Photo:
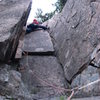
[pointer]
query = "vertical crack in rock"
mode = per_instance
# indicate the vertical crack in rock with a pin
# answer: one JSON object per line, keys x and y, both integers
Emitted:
{"x": 80, "y": 71}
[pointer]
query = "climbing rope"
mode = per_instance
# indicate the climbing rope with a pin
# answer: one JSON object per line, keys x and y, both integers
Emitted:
{"x": 61, "y": 89}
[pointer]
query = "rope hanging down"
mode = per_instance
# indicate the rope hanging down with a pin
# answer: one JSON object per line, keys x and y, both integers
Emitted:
{"x": 73, "y": 91}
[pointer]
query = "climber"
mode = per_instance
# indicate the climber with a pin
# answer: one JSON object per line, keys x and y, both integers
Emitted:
{"x": 34, "y": 25}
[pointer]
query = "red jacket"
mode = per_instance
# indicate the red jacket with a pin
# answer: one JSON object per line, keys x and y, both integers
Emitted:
{"x": 35, "y": 21}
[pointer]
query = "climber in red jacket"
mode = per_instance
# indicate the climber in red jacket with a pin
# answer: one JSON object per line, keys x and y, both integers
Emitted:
{"x": 34, "y": 25}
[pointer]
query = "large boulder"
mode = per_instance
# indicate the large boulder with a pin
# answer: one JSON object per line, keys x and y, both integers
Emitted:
{"x": 76, "y": 35}
{"x": 13, "y": 16}
{"x": 11, "y": 84}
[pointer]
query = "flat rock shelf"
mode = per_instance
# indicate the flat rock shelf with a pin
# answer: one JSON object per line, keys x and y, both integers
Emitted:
{"x": 38, "y": 42}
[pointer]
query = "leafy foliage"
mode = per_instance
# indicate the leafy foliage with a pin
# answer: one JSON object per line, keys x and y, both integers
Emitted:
{"x": 59, "y": 6}
{"x": 45, "y": 17}
{"x": 62, "y": 98}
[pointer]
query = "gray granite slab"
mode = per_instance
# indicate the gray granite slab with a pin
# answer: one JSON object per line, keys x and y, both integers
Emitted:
{"x": 76, "y": 35}
{"x": 41, "y": 74}
{"x": 38, "y": 42}
{"x": 13, "y": 16}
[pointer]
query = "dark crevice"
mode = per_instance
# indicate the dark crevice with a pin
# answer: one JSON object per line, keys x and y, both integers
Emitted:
{"x": 48, "y": 53}
{"x": 83, "y": 68}
{"x": 92, "y": 62}
{"x": 98, "y": 50}
{"x": 93, "y": 0}
{"x": 80, "y": 71}
{"x": 68, "y": 83}
{"x": 63, "y": 71}
{"x": 55, "y": 54}
{"x": 94, "y": 65}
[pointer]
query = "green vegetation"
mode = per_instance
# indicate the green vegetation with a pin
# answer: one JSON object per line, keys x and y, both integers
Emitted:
{"x": 62, "y": 98}
{"x": 45, "y": 17}
{"x": 59, "y": 6}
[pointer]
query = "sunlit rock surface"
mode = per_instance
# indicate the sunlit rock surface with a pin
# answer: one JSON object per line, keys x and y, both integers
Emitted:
{"x": 76, "y": 36}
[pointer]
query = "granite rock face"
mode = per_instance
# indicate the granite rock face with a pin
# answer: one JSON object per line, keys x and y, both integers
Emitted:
{"x": 76, "y": 35}
{"x": 38, "y": 42}
{"x": 43, "y": 76}
{"x": 89, "y": 75}
{"x": 11, "y": 84}
{"x": 13, "y": 16}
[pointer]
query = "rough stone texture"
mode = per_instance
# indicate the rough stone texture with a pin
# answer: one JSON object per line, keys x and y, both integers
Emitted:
{"x": 88, "y": 98}
{"x": 38, "y": 42}
{"x": 41, "y": 74}
{"x": 13, "y": 16}
{"x": 64, "y": 98}
{"x": 76, "y": 34}
{"x": 90, "y": 74}
{"x": 55, "y": 98}
{"x": 11, "y": 85}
